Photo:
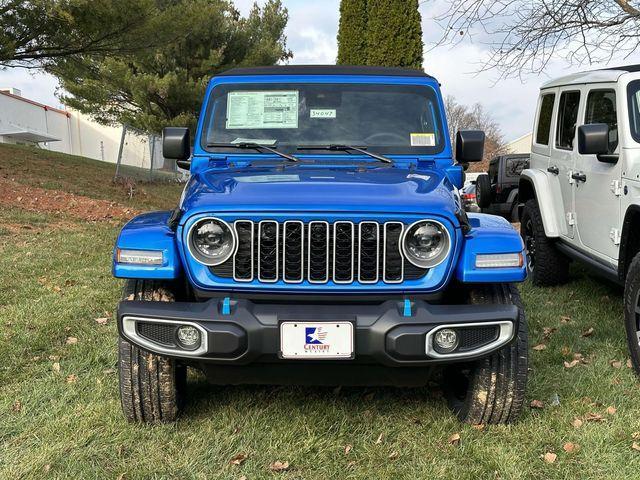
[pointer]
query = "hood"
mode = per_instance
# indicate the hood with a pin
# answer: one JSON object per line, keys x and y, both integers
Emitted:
{"x": 321, "y": 189}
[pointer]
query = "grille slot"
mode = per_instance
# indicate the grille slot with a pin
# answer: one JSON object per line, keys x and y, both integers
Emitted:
{"x": 157, "y": 332}
{"x": 318, "y": 252}
{"x": 476, "y": 337}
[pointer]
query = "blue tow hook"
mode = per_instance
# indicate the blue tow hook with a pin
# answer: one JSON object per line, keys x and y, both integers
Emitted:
{"x": 406, "y": 311}
{"x": 226, "y": 306}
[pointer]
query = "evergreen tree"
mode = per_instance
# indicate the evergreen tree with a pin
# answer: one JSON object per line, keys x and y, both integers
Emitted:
{"x": 394, "y": 33}
{"x": 352, "y": 33}
{"x": 164, "y": 85}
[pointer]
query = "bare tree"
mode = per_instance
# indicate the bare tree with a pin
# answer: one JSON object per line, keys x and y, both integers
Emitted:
{"x": 475, "y": 117}
{"x": 524, "y": 35}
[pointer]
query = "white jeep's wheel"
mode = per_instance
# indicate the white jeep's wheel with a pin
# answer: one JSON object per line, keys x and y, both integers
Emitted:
{"x": 152, "y": 387}
{"x": 491, "y": 390}
{"x": 545, "y": 264}
{"x": 632, "y": 311}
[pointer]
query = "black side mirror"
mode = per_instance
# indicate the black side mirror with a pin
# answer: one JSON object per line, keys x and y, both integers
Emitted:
{"x": 176, "y": 145}
{"x": 593, "y": 139}
{"x": 469, "y": 146}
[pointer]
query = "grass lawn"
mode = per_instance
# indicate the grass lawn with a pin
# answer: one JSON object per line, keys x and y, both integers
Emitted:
{"x": 60, "y": 415}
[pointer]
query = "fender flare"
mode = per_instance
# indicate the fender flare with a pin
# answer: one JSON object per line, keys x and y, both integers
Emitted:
{"x": 534, "y": 184}
{"x": 512, "y": 196}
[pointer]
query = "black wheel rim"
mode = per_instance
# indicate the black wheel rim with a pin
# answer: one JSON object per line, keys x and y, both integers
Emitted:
{"x": 530, "y": 244}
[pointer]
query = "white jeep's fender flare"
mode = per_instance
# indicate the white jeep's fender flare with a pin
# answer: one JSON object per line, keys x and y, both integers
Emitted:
{"x": 535, "y": 184}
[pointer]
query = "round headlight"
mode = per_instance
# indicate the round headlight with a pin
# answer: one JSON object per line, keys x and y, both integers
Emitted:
{"x": 426, "y": 244}
{"x": 211, "y": 241}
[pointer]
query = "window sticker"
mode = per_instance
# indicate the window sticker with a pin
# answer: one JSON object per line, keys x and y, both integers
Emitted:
{"x": 322, "y": 113}
{"x": 269, "y": 142}
{"x": 276, "y": 109}
{"x": 423, "y": 140}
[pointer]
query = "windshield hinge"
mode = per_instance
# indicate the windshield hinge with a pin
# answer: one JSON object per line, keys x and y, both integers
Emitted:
{"x": 616, "y": 188}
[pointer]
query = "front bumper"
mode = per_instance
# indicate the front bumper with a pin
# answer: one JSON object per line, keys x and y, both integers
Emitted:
{"x": 242, "y": 332}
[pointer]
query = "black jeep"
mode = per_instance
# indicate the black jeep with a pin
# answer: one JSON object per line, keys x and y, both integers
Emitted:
{"x": 497, "y": 191}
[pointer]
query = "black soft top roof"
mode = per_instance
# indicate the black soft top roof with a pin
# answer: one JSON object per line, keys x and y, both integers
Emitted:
{"x": 325, "y": 70}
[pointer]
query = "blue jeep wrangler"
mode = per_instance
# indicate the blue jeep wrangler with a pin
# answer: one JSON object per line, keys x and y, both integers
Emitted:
{"x": 321, "y": 240}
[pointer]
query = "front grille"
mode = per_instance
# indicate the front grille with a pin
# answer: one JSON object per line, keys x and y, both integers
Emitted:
{"x": 162, "y": 333}
{"x": 318, "y": 252}
{"x": 476, "y": 337}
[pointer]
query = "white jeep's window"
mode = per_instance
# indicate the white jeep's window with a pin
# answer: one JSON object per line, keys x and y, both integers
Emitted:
{"x": 633, "y": 97}
{"x": 567, "y": 119}
{"x": 383, "y": 118}
{"x": 601, "y": 108}
{"x": 544, "y": 119}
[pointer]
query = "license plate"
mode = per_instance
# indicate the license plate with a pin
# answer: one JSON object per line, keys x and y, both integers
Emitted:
{"x": 316, "y": 340}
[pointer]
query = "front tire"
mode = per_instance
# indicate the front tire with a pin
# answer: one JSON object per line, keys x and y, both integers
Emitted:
{"x": 492, "y": 390}
{"x": 152, "y": 387}
{"x": 632, "y": 311}
{"x": 545, "y": 264}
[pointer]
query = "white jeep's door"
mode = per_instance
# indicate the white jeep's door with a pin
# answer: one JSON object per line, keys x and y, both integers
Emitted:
{"x": 597, "y": 192}
{"x": 563, "y": 154}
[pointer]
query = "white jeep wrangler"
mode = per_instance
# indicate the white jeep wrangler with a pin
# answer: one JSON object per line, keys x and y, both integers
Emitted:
{"x": 580, "y": 198}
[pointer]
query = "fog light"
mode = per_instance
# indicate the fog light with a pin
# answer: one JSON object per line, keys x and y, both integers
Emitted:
{"x": 188, "y": 337}
{"x": 445, "y": 340}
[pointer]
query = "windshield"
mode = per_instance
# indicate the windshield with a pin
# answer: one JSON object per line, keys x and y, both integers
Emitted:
{"x": 401, "y": 119}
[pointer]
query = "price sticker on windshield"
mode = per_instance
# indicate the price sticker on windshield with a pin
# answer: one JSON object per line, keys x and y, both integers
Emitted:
{"x": 258, "y": 110}
{"x": 423, "y": 140}
{"x": 322, "y": 113}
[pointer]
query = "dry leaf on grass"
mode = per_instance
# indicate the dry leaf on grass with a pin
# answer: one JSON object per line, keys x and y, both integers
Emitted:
{"x": 612, "y": 410}
{"x": 548, "y": 331}
{"x": 565, "y": 319}
{"x": 102, "y": 321}
{"x": 55, "y": 367}
{"x": 393, "y": 455}
{"x": 577, "y": 422}
{"x": 478, "y": 426}
{"x": 615, "y": 363}
{"x": 347, "y": 449}
{"x": 379, "y": 440}
{"x": 73, "y": 378}
{"x": 454, "y": 439}
{"x": 536, "y": 404}
{"x": 629, "y": 364}
{"x": 46, "y": 467}
{"x": 570, "y": 447}
{"x": 539, "y": 347}
{"x": 550, "y": 457}
{"x": 571, "y": 364}
{"x": 72, "y": 340}
{"x": 279, "y": 466}
{"x": 635, "y": 435}
{"x": 588, "y": 332}
{"x": 635, "y": 446}
{"x": 593, "y": 417}
{"x": 16, "y": 407}
{"x": 238, "y": 459}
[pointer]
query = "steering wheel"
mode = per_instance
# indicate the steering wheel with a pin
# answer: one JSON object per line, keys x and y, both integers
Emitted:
{"x": 380, "y": 136}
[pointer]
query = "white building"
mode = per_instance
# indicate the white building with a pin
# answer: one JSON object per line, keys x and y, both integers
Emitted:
{"x": 24, "y": 121}
{"x": 521, "y": 144}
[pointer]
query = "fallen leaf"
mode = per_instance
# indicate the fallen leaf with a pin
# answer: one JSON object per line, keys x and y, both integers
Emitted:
{"x": 550, "y": 457}
{"x": 588, "y": 332}
{"x": 478, "y": 426}
{"x": 565, "y": 350}
{"x": 548, "y": 331}
{"x": 72, "y": 340}
{"x": 635, "y": 446}
{"x": 577, "y": 423}
{"x": 539, "y": 347}
{"x": 537, "y": 404}
{"x": 629, "y": 364}
{"x": 393, "y": 455}
{"x": 635, "y": 435}
{"x": 571, "y": 364}
{"x": 54, "y": 358}
{"x": 615, "y": 363}
{"x": 612, "y": 410}
{"x": 16, "y": 407}
{"x": 279, "y": 466}
{"x": 454, "y": 439}
{"x": 565, "y": 319}
{"x": 570, "y": 447}
{"x": 102, "y": 321}
{"x": 243, "y": 477}
{"x": 593, "y": 417}
{"x": 238, "y": 459}
{"x": 109, "y": 371}
{"x": 379, "y": 440}
{"x": 347, "y": 449}
{"x": 55, "y": 367}
{"x": 46, "y": 467}
{"x": 73, "y": 378}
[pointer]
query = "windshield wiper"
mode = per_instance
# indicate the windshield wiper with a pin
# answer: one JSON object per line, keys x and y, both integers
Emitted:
{"x": 255, "y": 146}
{"x": 334, "y": 147}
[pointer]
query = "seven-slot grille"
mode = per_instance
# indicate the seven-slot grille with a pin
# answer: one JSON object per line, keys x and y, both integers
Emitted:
{"x": 318, "y": 252}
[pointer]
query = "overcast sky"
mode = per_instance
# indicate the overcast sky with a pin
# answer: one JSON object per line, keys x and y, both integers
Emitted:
{"x": 311, "y": 35}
